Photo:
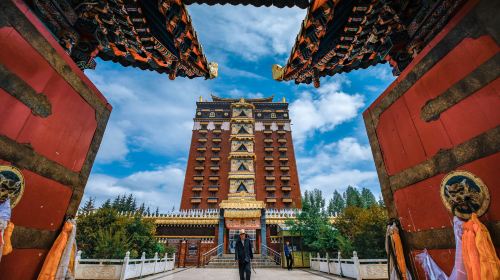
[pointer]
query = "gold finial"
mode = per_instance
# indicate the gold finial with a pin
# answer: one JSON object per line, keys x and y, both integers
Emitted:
{"x": 213, "y": 70}
{"x": 283, "y": 99}
{"x": 278, "y": 72}
{"x": 242, "y": 100}
{"x": 201, "y": 98}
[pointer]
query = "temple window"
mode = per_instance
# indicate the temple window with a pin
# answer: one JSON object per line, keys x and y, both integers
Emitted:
{"x": 212, "y": 115}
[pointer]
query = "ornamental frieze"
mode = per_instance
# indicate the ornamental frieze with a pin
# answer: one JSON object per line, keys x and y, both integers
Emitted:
{"x": 236, "y": 165}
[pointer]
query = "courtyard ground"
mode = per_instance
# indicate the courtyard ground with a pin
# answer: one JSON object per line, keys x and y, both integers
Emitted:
{"x": 229, "y": 274}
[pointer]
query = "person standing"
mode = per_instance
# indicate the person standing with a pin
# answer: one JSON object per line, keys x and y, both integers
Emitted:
{"x": 288, "y": 255}
{"x": 244, "y": 255}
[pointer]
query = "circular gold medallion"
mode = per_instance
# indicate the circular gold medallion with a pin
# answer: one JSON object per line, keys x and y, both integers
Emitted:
{"x": 463, "y": 193}
{"x": 11, "y": 184}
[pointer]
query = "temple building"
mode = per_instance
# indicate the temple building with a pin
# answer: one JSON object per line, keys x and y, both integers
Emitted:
{"x": 241, "y": 168}
{"x": 434, "y": 132}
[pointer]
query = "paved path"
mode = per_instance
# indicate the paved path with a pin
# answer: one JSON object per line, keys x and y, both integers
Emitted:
{"x": 230, "y": 274}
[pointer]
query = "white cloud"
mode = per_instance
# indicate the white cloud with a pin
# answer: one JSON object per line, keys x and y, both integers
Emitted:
{"x": 235, "y": 72}
{"x": 380, "y": 72}
{"x": 150, "y": 112}
{"x": 336, "y": 165}
{"x": 161, "y": 187}
{"x": 313, "y": 112}
{"x": 248, "y": 31}
{"x": 114, "y": 144}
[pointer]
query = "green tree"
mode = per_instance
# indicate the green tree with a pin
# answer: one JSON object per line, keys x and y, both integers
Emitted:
{"x": 352, "y": 197}
{"x": 141, "y": 209}
{"x": 122, "y": 206}
{"x": 129, "y": 204}
{"x": 367, "y": 198}
{"x": 89, "y": 206}
{"x": 116, "y": 203}
{"x": 106, "y": 204}
{"x": 336, "y": 204}
{"x": 106, "y": 234}
{"x": 365, "y": 229}
{"x": 313, "y": 224}
{"x": 111, "y": 244}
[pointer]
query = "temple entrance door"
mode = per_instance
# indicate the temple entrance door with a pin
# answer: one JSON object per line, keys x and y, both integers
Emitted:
{"x": 234, "y": 235}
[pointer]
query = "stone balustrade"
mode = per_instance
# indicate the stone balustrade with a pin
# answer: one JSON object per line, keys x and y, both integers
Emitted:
{"x": 352, "y": 268}
{"x": 121, "y": 269}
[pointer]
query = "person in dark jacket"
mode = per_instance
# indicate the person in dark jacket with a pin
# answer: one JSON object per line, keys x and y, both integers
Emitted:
{"x": 244, "y": 255}
{"x": 288, "y": 255}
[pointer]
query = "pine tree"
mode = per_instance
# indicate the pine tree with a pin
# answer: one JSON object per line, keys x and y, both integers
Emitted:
{"x": 367, "y": 198}
{"x": 106, "y": 204}
{"x": 352, "y": 197}
{"x": 336, "y": 204}
{"x": 157, "y": 212}
{"x": 122, "y": 206}
{"x": 148, "y": 212}
{"x": 142, "y": 209}
{"x": 134, "y": 205}
{"x": 89, "y": 206}
{"x": 314, "y": 200}
{"x": 129, "y": 203}
{"x": 116, "y": 203}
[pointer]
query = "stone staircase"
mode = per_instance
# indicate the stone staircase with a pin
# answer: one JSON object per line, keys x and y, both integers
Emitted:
{"x": 227, "y": 261}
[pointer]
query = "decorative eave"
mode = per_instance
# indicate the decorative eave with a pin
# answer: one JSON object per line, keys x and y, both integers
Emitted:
{"x": 152, "y": 35}
{"x": 241, "y": 155}
{"x": 186, "y": 221}
{"x": 241, "y": 176}
{"x": 249, "y": 100}
{"x": 239, "y": 214}
{"x": 339, "y": 36}
{"x": 242, "y": 120}
{"x": 242, "y": 137}
{"x": 242, "y": 104}
{"x": 242, "y": 203}
{"x": 257, "y": 3}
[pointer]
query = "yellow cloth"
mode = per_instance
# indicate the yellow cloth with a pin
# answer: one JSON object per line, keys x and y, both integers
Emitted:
{"x": 7, "y": 246}
{"x": 52, "y": 260}
{"x": 480, "y": 258}
{"x": 400, "y": 257}
{"x": 71, "y": 266}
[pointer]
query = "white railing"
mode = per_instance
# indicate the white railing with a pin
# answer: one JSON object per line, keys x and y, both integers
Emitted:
{"x": 353, "y": 268}
{"x": 272, "y": 254}
{"x": 210, "y": 254}
{"x": 126, "y": 268}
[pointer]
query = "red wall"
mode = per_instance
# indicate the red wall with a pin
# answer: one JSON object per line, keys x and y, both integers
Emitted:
{"x": 63, "y": 137}
{"x": 405, "y": 140}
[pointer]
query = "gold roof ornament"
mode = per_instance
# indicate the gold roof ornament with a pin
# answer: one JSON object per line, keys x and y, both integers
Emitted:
{"x": 200, "y": 99}
{"x": 213, "y": 70}
{"x": 248, "y": 100}
{"x": 283, "y": 100}
{"x": 278, "y": 72}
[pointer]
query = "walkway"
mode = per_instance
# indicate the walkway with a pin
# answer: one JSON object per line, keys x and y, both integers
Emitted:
{"x": 229, "y": 274}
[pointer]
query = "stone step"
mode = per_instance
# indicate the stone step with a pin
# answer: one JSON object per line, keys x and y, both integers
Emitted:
{"x": 227, "y": 261}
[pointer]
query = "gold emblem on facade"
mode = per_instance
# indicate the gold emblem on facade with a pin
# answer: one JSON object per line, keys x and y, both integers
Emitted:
{"x": 463, "y": 193}
{"x": 11, "y": 184}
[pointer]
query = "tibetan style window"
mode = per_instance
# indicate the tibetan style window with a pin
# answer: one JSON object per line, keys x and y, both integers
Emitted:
{"x": 273, "y": 115}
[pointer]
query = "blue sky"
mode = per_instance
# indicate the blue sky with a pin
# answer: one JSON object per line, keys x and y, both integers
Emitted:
{"x": 146, "y": 142}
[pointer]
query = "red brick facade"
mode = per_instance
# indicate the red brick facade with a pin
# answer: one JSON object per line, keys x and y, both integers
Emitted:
{"x": 276, "y": 180}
